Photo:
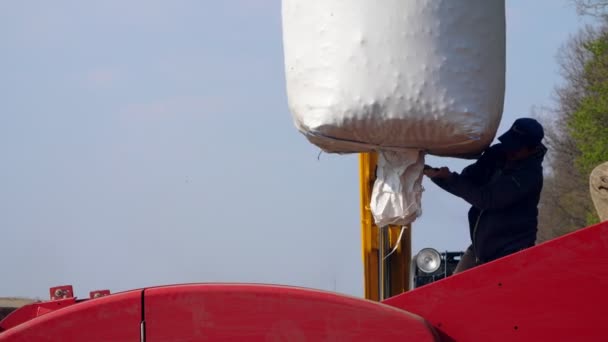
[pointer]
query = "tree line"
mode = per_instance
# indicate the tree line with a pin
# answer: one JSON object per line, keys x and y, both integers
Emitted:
{"x": 576, "y": 126}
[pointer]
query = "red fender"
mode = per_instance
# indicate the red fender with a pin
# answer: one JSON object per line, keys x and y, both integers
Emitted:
{"x": 224, "y": 312}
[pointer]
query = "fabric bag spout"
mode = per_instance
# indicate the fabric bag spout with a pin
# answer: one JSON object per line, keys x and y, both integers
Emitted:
{"x": 397, "y": 191}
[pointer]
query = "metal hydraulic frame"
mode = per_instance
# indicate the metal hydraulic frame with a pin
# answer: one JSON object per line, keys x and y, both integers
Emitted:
{"x": 383, "y": 278}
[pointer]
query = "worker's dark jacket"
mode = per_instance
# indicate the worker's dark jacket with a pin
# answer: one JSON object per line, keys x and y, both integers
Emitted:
{"x": 504, "y": 197}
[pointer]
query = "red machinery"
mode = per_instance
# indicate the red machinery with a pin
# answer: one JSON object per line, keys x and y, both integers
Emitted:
{"x": 555, "y": 291}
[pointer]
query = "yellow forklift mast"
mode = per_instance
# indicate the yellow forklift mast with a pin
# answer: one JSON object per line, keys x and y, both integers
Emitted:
{"x": 385, "y": 274}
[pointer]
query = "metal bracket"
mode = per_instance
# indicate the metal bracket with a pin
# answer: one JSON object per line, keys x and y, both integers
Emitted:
{"x": 98, "y": 293}
{"x": 61, "y": 292}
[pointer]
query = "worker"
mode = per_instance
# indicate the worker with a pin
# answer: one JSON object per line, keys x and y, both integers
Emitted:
{"x": 503, "y": 187}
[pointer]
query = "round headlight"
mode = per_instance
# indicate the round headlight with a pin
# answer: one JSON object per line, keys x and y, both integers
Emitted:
{"x": 428, "y": 260}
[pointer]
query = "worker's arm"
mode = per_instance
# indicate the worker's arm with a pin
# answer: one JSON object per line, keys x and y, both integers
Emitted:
{"x": 503, "y": 192}
{"x": 476, "y": 173}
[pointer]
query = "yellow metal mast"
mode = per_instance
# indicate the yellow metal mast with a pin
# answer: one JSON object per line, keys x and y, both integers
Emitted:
{"x": 391, "y": 277}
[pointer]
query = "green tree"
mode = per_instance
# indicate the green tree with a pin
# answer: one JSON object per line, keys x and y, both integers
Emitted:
{"x": 588, "y": 124}
{"x": 576, "y": 129}
{"x": 565, "y": 200}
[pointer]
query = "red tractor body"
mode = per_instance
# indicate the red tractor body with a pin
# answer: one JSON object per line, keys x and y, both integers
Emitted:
{"x": 555, "y": 291}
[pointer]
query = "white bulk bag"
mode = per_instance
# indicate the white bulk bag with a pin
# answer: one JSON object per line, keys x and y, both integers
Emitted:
{"x": 398, "y": 76}
{"x": 393, "y": 74}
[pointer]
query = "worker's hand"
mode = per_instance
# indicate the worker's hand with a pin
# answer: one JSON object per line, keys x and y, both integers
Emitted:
{"x": 438, "y": 173}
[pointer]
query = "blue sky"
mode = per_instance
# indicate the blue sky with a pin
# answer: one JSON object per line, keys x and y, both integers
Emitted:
{"x": 149, "y": 142}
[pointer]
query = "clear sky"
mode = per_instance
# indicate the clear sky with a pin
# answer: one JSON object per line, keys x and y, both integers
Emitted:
{"x": 149, "y": 142}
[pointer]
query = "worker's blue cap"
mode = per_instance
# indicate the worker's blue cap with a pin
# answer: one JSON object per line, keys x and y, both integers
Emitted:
{"x": 525, "y": 132}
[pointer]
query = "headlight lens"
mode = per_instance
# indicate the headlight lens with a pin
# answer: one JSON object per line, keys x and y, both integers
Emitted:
{"x": 428, "y": 260}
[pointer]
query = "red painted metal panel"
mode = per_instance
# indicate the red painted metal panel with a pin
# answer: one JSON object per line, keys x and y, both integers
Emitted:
{"x": 31, "y": 311}
{"x": 113, "y": 318}
{"x": 222, "y": 312}
{"x": 556, "y": 291}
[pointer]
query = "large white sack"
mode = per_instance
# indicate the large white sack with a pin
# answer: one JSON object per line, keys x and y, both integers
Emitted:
{"x": 367, "y": 75}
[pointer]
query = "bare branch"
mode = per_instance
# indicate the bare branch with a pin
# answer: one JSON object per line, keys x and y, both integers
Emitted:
{"x": 596, "y": 8}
